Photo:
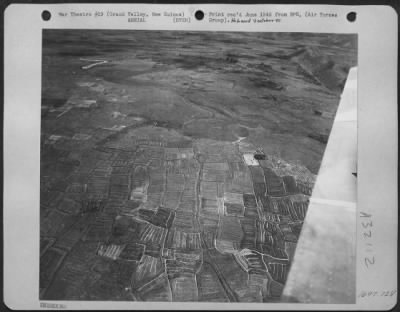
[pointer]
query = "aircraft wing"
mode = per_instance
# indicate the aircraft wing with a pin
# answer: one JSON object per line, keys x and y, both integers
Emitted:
{"x": 323, "y": 269}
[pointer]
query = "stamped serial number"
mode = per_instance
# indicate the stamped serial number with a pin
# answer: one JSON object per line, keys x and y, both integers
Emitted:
{"x": 370, "y": 293}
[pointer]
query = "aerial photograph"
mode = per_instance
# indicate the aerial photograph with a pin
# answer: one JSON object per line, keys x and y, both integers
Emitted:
{"x": 178, "y": 166}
